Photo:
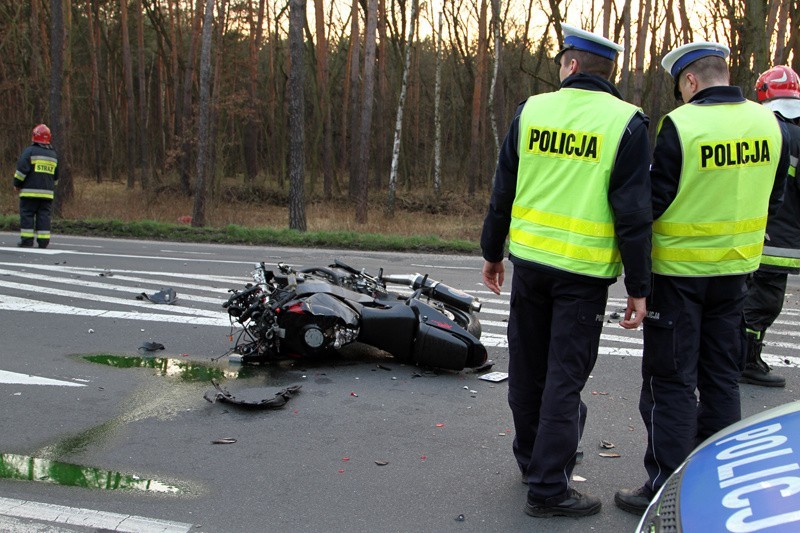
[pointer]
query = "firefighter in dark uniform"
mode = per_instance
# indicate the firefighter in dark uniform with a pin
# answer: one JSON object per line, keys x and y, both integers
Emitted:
{"x": 572, "y": 192}
{"x": 34, "y": 181}
{"x": 778, "y": 89}
{"x": 719, "y": 164}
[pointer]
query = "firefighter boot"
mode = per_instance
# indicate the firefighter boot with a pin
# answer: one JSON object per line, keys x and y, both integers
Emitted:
{"x": 756, "y": 371}
{"x": 25, "y": 242}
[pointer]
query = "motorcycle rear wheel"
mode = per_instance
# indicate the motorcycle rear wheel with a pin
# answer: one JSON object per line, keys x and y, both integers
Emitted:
{"x": 466, "y": 320}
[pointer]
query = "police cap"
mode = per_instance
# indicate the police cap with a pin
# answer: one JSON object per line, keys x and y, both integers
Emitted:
{"x": 683, "y": 56}
{"x": 584, "y": 41}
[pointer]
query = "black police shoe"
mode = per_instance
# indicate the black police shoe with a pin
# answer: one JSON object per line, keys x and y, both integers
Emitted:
{"x": 634, "y": 501}
{"x": 576, "y": 504}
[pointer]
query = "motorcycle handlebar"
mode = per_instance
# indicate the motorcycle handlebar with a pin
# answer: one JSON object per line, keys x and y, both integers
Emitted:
{"x": 436, "y": 290}
{"x": 239, "y": 295}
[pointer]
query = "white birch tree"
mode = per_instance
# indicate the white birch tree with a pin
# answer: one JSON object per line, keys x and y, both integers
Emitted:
{"x": 398, "y": 127}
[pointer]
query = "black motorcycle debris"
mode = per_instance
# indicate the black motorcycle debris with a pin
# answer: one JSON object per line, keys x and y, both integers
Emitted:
{"x": 316, "y": 311}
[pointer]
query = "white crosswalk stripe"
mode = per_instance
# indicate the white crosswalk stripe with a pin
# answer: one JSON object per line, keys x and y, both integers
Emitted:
{"x": 781, "y": 347}
{"x": 95, "y": 292}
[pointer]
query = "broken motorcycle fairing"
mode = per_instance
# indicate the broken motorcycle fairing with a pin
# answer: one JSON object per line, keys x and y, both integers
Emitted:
{"x": 317, "y": 310}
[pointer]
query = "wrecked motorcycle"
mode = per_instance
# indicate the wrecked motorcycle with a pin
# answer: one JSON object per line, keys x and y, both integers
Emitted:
{"x": 318, "y": 310}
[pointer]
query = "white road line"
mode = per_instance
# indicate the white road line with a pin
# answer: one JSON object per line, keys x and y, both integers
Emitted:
{"x": 110, "y": 287}
{"x": 108, "y": 299}
{"x": 27, "y": 379}
{"x": 446, "y": 267}
{"x": 490, "y": 311}
{"x": 493, "y": 301}
{"x": 98, "y": 271}
{"x": 502, "y": 293}
{"x": 780, "y": 360}
{"x": 57, "y": 251}
{"x": 628, "y": 352}
{"x": 185, "y": 252}
{"x": 11, "y": 303}
{"x": 89, "y": 518}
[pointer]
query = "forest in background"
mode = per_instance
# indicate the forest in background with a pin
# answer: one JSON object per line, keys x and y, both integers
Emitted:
{"x": 355, "y": 99}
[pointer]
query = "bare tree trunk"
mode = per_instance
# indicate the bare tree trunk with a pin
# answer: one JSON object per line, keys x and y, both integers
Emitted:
{"x": 351, "y": 107}
{"x": 383, "y": 91}
{"x": 477, "y": 103}
{"x": 755, "y": 16}
{"x": 57, "y": 120}
{"x": 201, "y": 181}
{"x": 643, "y": 24}
{"x": 498, "y": 48}
{"x": 252, "y": 128}
{"x": 780, "y": 37}
{"x": 215, "y": 98}
{"x": 625, "y": 79}
{"x": 362, "y": 198}
{"x": 398, "y": 127}
{"x": 94, "y": 125}
{"x": 36, "y": 67}
{"x": 324, "y": 95}
{"x": 297, "y": 213}
{"x": 176, "y": 114}
{"x": 793, "y": 43}
{"x": 656, "y": 97}
{"x": 437, "y": 118}
{"x": 143, "y": 149}
{"x": 186, "y": 105}
{"x": 686, "y": 25}
{"x": 130, "y": 109}
{"x": 159, "y": 116}
{"x": 606, "y": 17}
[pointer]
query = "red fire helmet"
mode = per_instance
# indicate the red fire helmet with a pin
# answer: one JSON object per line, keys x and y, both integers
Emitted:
{"x": 778, "y": 82}
{"x": 41, "y": 134}
{"x": 779, "y": 89}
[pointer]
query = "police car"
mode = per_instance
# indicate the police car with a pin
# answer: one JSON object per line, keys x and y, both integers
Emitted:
{"x": 743, "y": 478}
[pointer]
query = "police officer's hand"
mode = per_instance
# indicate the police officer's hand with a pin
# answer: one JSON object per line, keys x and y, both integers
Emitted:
{"x": 634, "y": 313}
{"x": 16, "y": 189}
{"x": 493, "y": 275}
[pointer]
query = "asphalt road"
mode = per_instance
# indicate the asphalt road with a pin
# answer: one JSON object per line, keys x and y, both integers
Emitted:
{"x": 313, "y": 465}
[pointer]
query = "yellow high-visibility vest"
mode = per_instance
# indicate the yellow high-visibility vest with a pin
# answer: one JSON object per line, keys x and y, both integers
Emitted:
{"x": 715, "y": 225}
{"x": 561, "y": 215}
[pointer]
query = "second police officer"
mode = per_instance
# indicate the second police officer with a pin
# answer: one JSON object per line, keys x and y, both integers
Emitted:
{"x": 719, "y": 164}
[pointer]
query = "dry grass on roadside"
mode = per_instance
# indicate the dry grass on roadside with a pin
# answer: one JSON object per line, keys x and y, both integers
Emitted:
{"x": 455, "y": 217}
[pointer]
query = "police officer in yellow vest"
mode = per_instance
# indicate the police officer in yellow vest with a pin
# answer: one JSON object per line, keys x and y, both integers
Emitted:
{"x": 572, "y": 192}
{"x": 719, "y": 163}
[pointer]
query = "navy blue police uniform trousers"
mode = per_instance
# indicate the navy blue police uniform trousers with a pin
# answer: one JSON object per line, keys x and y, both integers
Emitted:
{"x": 693, "y": 356}
{"x": 554, "y": 331}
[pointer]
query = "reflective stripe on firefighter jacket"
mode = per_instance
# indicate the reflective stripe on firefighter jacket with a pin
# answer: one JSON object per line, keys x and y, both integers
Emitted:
{"x": 715, "y": 225}
{"x": 37, "y": 172}
{"x": 782, "y": 245}
{"x": 561, "y": 215}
